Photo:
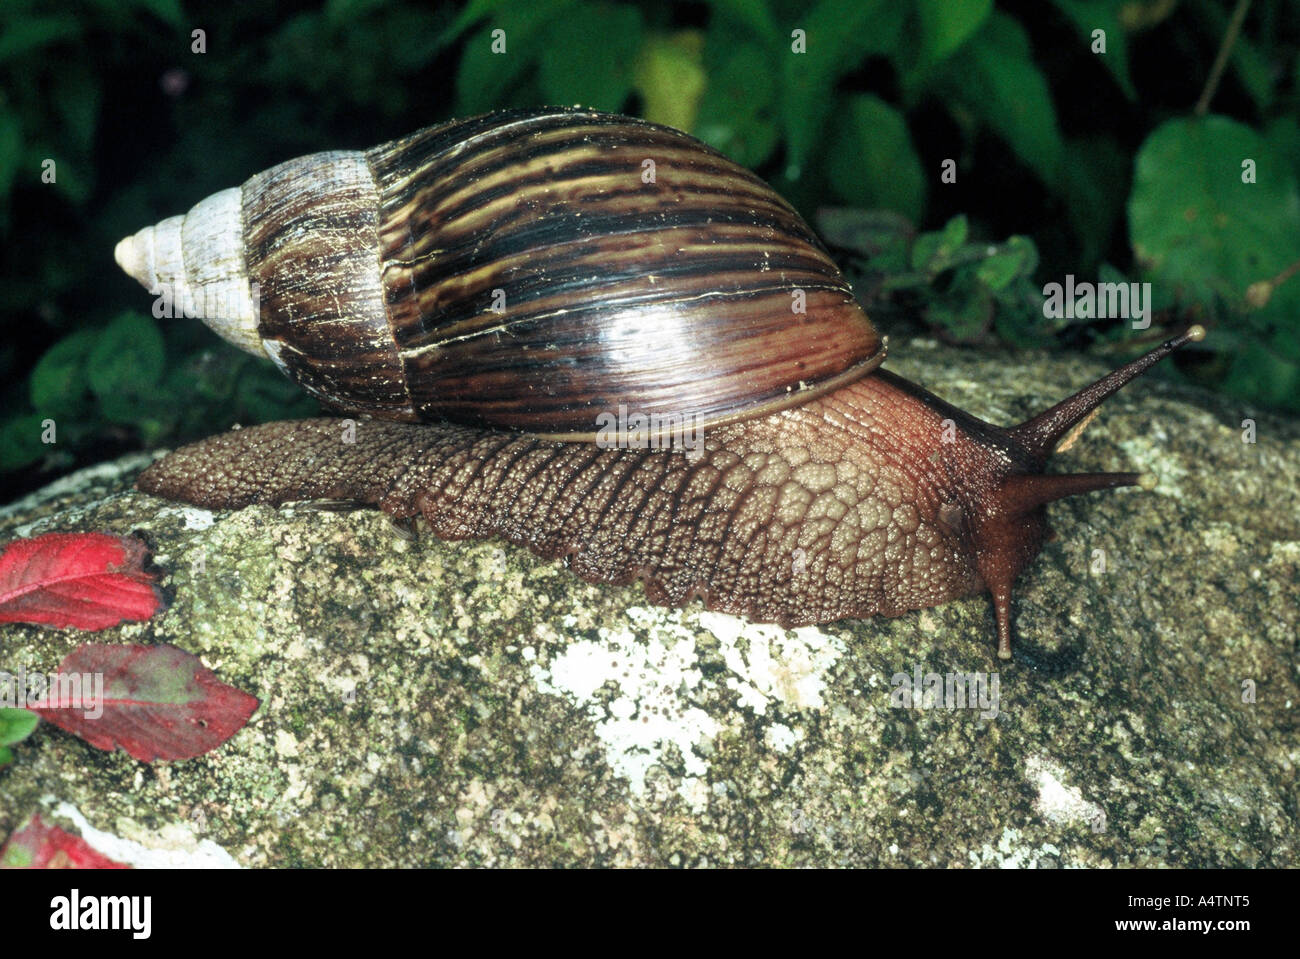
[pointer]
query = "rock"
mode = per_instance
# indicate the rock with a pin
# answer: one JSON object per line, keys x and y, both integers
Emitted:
{"x": 426, "y": 703}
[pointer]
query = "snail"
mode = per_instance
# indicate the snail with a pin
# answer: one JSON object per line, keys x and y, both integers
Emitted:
{"x": 485, "y": 294}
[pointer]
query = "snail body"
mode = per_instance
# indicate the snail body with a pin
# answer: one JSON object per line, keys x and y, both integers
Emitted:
{"x": 486, "y": 290}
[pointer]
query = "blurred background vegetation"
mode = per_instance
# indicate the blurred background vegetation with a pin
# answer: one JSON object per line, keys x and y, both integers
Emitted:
{"x": 1117, "y": 165}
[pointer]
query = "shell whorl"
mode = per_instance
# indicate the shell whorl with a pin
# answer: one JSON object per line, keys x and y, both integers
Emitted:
{"x": 310, "y": 234}
{"x": 519, "y": 270}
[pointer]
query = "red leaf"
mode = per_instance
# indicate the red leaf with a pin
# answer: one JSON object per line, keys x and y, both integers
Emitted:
{"x": 86, "y": 580}
{"x": 158, "y": 702}
{"x": 35, "y": 845}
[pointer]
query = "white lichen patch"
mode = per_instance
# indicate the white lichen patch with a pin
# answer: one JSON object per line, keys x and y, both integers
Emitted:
{"x": 299, "y": 791}
{"x": 1011, "y": 853}
{"x": 781, "y": 738}
{"x": 769, "y": 663}
{"x": 1056, "y": 802}
{"x": 174, "y": 846}
{"x": 1149, "y": 454}
{"x": 1284, "y": 552}
{"x": 654, "y": 674}
{"x": 640, "y": 686}
{"x": 196, "y": 518}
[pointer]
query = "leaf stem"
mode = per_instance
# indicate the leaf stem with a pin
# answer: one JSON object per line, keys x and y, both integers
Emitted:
{"x": 1286, "y": 274}
{"x": 1221, "y": 61}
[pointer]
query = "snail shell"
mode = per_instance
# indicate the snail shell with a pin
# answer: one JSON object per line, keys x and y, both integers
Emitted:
{"x": 520, "y": 270}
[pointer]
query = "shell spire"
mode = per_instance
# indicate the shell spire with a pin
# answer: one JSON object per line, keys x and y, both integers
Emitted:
{"x": 196, "y": 263}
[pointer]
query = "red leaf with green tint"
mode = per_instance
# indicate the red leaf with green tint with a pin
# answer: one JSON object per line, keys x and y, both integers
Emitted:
{"x": 156, "y": 702}
{"x": 84, "y": 580}
{"x": 34, "y": 845}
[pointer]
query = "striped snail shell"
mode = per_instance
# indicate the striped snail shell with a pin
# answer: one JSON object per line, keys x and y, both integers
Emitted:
{"x": 520, "y": 270}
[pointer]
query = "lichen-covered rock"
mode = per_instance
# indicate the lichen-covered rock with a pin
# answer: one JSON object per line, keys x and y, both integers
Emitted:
{"x": 427, "y": 703}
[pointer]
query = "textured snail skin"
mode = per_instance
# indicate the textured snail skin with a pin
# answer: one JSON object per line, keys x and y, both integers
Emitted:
{"x": 826, "y": 488}
{"x": 823, "y": 478}
{"x": 889, "y": 517}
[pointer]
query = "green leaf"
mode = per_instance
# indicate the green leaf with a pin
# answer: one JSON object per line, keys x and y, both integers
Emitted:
{"x": 1109, "y": 273}
{"x": 871, "y": 160}
{"x": 1018, "y": 259}
{"x": 6, "y": 756}
{"x": 1255, "y": 71}
{"x": 754, "y": 14}
{"x": 20, "y": 441}
{"x": 866, "y": 232}
{"x": 964, "y": 310}
{"x": 947, "y": 24}
{"x": 1258, "y": 374}
{"x": 345, "y": 13}
{"x": 127, "y": 359}
{"x": 1093, "y": 185}
{"x": 474, "y": 11}
{"x": 26, "y": 34}
{"x": 74, "y": 178}
{"x": 933, "y": 252}
{"x": 267, "y": 395}
{"x": 76, "y": 97}
{"x": 839, "y": 34}
{"x": 169, "y": 11}
{"x": 585, "y": 59}
{"x": 59, "y": 385}
{"x": 1283, "y": 135}
{"x": 736, "y": 110}
{"x": 16, "y": 724}
{"x": 995, "y": 78}
{"x": 1090, "y": 15}
{"x": 483, "y": 77}
{"x": 1195, "y": 224}
{"x": 1284, "y": 343}
{"x": 670, "y": 78}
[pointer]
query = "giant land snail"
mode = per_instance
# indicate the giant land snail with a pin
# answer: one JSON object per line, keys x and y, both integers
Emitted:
{"x": 492, "y": 293}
